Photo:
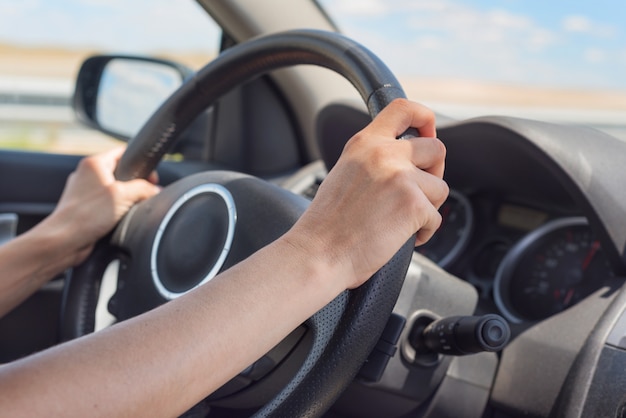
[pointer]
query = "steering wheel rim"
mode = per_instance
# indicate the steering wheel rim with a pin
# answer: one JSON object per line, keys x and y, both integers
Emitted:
{"x": 347, "y": 329}
{"x": 367, "y": 73}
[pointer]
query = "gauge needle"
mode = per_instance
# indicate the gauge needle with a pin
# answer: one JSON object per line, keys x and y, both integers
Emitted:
{"x": 595, "y": 246}
{"x": 568, "y": 297}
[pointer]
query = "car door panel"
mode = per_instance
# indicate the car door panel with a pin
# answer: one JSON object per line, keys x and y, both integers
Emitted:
{"x": 30, "y": 185}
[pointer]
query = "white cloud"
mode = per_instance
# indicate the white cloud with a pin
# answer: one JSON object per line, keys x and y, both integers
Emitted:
{"x": 102, "y": 3}
{"x": 506, "y": 19}
{"x": 17, "y": 8}
{"x": 430, "y": 43}
{"x": 595, "y": 55}
{"x": 576, "y": 23}
{"x": 383, "y": 8}
{"x": 362, "y": 7}
{"x": 584, "y": 25}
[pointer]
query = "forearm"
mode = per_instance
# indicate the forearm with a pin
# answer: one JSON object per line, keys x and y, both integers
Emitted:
{"x": 92, "y": 203}
{"x": 30, "y": 260}
{"x": 170, "y": 358}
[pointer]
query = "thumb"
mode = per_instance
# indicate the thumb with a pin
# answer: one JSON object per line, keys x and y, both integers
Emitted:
{"x": 139, "y": 189}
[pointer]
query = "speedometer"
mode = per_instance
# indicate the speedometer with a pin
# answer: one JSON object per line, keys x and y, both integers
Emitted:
{"x": 549, "y": 270}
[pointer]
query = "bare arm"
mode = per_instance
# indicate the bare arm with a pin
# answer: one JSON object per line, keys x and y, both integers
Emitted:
{"x": 91, "y": 204}
{"x": 163, "y": 362}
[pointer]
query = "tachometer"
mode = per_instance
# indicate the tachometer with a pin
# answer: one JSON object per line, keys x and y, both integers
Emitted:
{"x": 549, "y": 270}
{"x": 453, "y": 234}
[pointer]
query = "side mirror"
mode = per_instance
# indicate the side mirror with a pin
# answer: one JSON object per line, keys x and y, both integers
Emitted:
{"x": 117, "y": 94}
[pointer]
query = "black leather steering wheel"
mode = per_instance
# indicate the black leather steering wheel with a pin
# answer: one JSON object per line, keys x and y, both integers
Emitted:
{"x": 229, "y": 215}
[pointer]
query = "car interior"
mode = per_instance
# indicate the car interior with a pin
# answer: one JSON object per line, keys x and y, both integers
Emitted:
{"x": 526, "y": 271}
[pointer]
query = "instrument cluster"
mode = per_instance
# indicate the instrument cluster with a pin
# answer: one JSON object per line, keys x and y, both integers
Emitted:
{"x": 532, "y": 264}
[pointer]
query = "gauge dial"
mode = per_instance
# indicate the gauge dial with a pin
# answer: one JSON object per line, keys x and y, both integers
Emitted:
{"x": 551, "y": 269}
{"x": 453, "y": 234}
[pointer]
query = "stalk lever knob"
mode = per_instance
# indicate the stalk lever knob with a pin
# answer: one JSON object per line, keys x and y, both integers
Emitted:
{"x": 460, "y": 335}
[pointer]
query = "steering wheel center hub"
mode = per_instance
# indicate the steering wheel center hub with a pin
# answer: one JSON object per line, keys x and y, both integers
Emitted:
{"x": 180, "y": 260}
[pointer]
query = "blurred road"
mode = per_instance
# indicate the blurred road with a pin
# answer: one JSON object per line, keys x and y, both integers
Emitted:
{"x": 45, "y": 101}
{"x": 36, "y": 113}
{"x": 610, "y": 121}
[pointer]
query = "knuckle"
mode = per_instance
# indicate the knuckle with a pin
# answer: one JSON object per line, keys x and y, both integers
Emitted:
{"x": 428, "y": 226}
{"x": 436, "y": 220}
{"x": 440, "y": 148}
{"x": 441, "y": 193}
{"x": 356, "y": 142}
{"x": 114, "y": 189}
{"x": 86, "y": 163}
{"x": 427, "y": 113}
{"x": 401, "y": 178}
{"x": 379, "y": 157}
{"x": 421, "y": 205}
{"x": 437, "y": 147}
{"x": 401, "y": 103}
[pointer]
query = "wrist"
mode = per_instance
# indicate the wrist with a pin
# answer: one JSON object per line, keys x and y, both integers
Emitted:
{"x": 321, "y": 266}
{"x": 59, "y": 242}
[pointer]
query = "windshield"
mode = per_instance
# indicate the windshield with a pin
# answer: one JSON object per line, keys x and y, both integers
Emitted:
{"x": 559, "y": 61}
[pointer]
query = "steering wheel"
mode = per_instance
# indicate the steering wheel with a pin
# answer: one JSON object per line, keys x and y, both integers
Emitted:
{"x": 207, "y": 222}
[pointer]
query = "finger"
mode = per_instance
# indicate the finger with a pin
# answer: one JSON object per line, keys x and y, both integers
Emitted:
{"x": 139, "y": 189}
{"x": 115, "y": 154}
{"x": 430, "y": 193}
{"x": 428, "y": 220}
{"x": 427, "y": 232}
{"x": 111, "y": 158}
{"x": 427, "y": 154}
{"x": 101, "y": 165}
{"x": 434, "y": 188}
{"x": 153, "y": 177}
{"x": 402, "y": 114}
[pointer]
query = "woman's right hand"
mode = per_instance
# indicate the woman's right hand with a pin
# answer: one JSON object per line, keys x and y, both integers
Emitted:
{"x": 380, "y": 192}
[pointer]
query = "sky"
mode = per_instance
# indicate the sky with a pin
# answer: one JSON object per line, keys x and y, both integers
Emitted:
{"x": 114, "y": 25}
{"x": 569, "y": 43}
{"x": 558, "y": 43}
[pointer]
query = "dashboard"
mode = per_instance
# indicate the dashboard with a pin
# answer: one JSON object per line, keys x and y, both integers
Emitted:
{"x": 515, "y": 226}
{"x": 534, "y": 228}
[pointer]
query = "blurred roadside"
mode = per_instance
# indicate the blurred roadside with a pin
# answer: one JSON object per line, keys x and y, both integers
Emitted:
{"x": 36, "y": 86}
{"x": 462, "y": 99}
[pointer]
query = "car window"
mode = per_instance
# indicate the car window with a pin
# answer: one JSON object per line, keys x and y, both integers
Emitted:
{"x": 42, "y": 45}
{"x": 557, "y": 61}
